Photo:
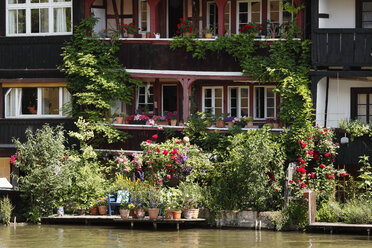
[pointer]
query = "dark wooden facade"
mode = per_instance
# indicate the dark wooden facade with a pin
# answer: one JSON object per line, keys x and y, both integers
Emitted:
{"x": 342, "y": 47}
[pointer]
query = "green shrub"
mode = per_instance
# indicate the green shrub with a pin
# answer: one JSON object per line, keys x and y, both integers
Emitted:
{"x": 329, "y": 212}
{"x": 294, "y": 217}
{"x": 252, "y": 175}
{"x": 6, "y": 209}
{"x": 358, "y": 211}
{"x": 45, "y": 170}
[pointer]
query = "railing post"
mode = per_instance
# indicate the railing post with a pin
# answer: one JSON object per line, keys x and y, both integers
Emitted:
{"x": 221, "y": 24}
{"x": 154, "y": 17}
{"x": 186, "y": 85}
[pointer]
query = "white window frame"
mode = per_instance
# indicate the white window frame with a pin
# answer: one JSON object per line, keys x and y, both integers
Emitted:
{"x": 249, "y": 12}
{"x": 51, "y": 5}
{"x": 265, "y": 103}
{"x": 228, "y": 5}
{"x": 213, "y": 88}
{"x": 146, "y": 96}
{"x": 140, "y": 17}
{"x": 280, "y": 10}
{"x": 39, "y": 115}
{"x": 238, "y": 107}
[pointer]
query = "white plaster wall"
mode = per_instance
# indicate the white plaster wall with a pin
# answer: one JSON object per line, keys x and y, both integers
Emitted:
{"x": 338, "y": 99}
{"x": 341, "y": 13}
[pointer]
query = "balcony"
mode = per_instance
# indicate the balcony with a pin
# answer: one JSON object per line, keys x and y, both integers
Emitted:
{"x": 342, "y": 47}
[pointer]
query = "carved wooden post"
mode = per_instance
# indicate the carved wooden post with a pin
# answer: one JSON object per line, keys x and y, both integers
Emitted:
{"x": 154, "y": 16}
{"x": 221, "y": 24}
{"x": 311, "y": 197}
{"x": 186, "y": 85}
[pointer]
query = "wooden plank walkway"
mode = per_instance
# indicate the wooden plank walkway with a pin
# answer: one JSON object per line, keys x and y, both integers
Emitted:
{"x": 332, "y": 226}
{"x": 115, "y": 219}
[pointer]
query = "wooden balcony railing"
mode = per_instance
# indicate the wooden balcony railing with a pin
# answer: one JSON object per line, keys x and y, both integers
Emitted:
{"x": 342, "y": 47}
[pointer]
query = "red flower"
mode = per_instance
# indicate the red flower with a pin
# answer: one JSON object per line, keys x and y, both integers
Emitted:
{"x": 178, "y": 25}
{"x": 148, "y": 141}
{"x": 181, "y": 19}
{"x": 158, "y": 150}
{"x": 301, "y": 170}
{"x": 316, "y": 155}
{"x": 276, "y": 189}
{"x": 184, "y": 28}
{"x": 190, "y": 29}
{"x": 327, "y": 155}
{"x": 271, "y": 175}
{"x": 311, "y": 152}
{"x": 183, "y": 22}
{"x": 303, "y": 185}
{"x": 322, "y": 166}
{"x": 155, "y": 136}
{"x": 104, "y": 30}
{"x": 261, "y": 28}
{"x": 312, "y": 174}
{"x": 178, "y": 141}
{"x": 168, "y": 165}
{"x": 165, "y": 152}
{"x": 172, "y": 170}
{"x": 177, "y": 32}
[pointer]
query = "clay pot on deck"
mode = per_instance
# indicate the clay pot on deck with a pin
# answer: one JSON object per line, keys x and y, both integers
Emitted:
{"x": 124, "y": 213}
{"x": 153, "y": 213}
{"x": 177, "y": 214}
{"x": 102, "y": 210}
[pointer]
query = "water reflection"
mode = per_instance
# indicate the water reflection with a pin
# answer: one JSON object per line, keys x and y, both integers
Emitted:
{"x": 41, "y": 236}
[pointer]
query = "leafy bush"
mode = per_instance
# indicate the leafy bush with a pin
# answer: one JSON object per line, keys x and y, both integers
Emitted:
{"x": 357, "y": 211}
{"x": 329, "y": 212}
{"x": 45, "y": 170}
{"x": 294, "y": 217}
{"x": 6, "y": 209}
{"x": 253, "y": 174}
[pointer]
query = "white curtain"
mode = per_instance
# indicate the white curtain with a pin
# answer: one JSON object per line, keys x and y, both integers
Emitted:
{"x": 67, "y": 106}
{"x": 12, "y": 22}
{"x": 10, "y": 102}
{"x": 60, "y": 24}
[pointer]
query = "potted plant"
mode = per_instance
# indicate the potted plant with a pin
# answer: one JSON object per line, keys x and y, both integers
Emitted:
{"x": 192, "y": 195}
{"x": 229, "y": 121}
{"x": 120, "y": 118}
{"x": 131, "y": 29}
{"x": 185, "y": 27}
{"x": 155, "y": 199}
{"x": 138, "y": 119}
{"x": 160, "y": 120}
{"x": 270, "y": 122}
{"x": 249, "y": 121}
{"x": 102, "y": 205}
{"x": 125, "y": 209}
{"x": 251, "y": 29}
{"x": 208, "y": 33}
{"x": 172, "y": 116}
{"x": 220, "y": 123}
{"x": 94, "y": 209}
{"x": 276, "y": 123}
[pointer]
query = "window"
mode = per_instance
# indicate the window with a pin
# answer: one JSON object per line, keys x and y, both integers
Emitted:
{"x": 145, "y": 98}
{"x": 239, "y": 101}
{"x": 277, "y": 15}
{"x": 212, "y": 100}
{"x": 36, "y": 102}
{"x": 366, "y": 13}
{"x": 361, "y": 104}
{"x": 144, "y": 16}
{"x": 248, "y": 12}
{"x": 38, "y": 17}
{"x": 212, "y": 19}
{"x": 265, "y": 106}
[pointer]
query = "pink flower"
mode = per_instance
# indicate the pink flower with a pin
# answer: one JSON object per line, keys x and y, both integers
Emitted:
{"x": 178, "y": 141}
{"x": 155, "y": 136}
{"x": 169, "y": 177}
{"x": 168, "y": 165}
{"x": 148, "y": 141}
{"x": 160, "y": 181}
{"x": 121, "y": 160}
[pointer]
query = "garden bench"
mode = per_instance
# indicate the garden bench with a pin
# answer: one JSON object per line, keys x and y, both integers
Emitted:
{"x": 114, "y": 200}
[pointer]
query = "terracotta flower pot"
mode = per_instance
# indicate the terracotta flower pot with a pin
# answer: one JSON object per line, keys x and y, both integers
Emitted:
{"x": 250, "y": 124}
{"x": 124, "y": 213}
{"x": 119, "y": 120}
{"x": 230, "y": 124}
{"x": 164, "y": 123}
{"x": 173, "y": 122}
{"x": 276, "y": 125}
{"x": 220, "y": 124}
{"x": 130, "y": 35}
{"x": 187, "y": 34}
{"x": 168, "y": 214}
{"x": 94, "y": 211}
{"x": 153, "y": 213}
{"x": 177, "y": 214}
{"x": 138, "y": 213}
{"x": 102, "y": 210}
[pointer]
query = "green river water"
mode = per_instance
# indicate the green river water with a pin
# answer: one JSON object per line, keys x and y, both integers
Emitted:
{"x": 55, "y": 236}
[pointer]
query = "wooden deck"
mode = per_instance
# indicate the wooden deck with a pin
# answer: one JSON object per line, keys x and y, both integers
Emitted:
{"x": 115, "y": 220}
{"x": 334, "y": 226}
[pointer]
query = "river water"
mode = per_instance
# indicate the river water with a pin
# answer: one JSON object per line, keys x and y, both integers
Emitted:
{"x": 55, "y": 236}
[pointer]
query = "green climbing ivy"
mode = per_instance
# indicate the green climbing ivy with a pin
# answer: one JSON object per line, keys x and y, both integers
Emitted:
{"x": 285, "y": 62}
{"x": 95, "y": 78}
